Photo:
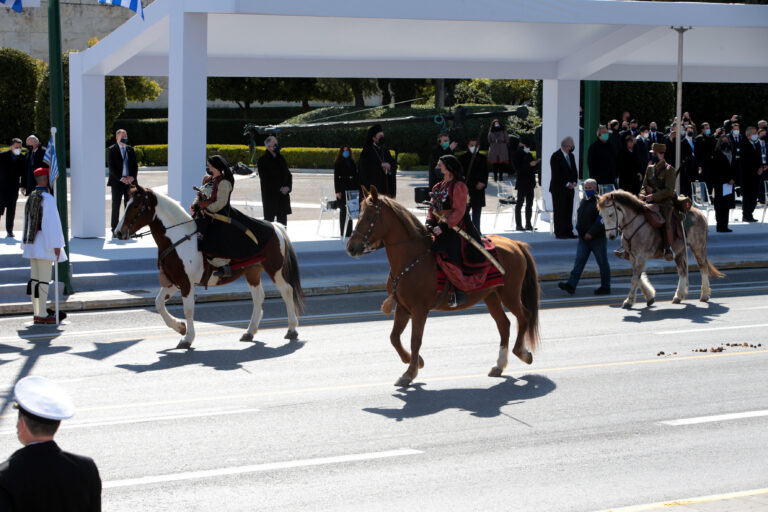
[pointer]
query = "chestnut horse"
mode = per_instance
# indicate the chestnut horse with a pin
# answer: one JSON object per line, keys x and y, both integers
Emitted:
{"x": 412, "y": 282}
{"x": 181, "y": 264}
{"x": 623, "y": 211}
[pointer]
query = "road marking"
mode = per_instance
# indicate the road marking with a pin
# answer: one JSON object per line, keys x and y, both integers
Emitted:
{"x": 145, "y": 419}
{"x": 708, "y": 329}
{"x": 714, "y": 418}
{"x": 691, "y": 501}
{"x": 270, "y": 466}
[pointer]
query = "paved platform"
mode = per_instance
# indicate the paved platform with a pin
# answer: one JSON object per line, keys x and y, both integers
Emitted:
{"x": 110, "y": 274}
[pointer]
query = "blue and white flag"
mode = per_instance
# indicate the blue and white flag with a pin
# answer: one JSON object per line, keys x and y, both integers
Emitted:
{"x": 16, "y": 4}
{"x": 50, "y": 159}
{"x": 134, "y": 5}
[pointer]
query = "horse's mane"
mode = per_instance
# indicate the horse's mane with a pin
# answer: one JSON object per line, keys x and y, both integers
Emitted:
{"x": 172, "y": 208}
{"x": 413, "y": 226}
{"x": 623, "y": 198}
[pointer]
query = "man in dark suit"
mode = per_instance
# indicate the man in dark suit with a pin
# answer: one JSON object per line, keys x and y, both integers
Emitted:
{"x": 752, "y": 169}
{"x": 444, "y": 147}
{"x": 276, "y": 183}
{"x": 689, "y": 167}
{"x": 705, "y": 147}
{"x": 601, "y": 158}
{"x": 562, "y": 184}
{"x": 41, "y": 476}
{"x": 476, "y": 177}
{"x": 737, "y": 145}
{"x": 643, "y": 147}
{"x": 11, "y": 181}
{"x": 123, "y": 172}
{"x": 654, "y": 136}
{"x": 34, "y": 160}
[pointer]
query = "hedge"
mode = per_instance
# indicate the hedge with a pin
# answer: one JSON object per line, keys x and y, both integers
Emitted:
{"x": 297, "y": 158}
{"x": 155, "y": 130}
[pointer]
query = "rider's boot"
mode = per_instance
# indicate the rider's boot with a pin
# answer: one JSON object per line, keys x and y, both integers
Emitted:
{"x": 669, "y": 238}
{"x": 621, "y": 253}
{"x": 458, "y": 298}
{"x": 223, "y": 271}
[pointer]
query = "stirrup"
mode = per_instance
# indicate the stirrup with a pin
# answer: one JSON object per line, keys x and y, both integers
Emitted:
{"x": 223, "y": 271}
{"x": 458, "y": 298}
{"x": 621, "y": 253}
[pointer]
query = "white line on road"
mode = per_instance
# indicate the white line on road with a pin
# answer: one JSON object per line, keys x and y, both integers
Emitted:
{"x": 708, "y": 329}
{"x": 717, "y": 417}
{"x": 271, "y": 466}
{"x": 144, "y": 419}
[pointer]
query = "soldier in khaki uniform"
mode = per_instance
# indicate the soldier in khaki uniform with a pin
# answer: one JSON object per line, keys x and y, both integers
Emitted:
{"x": 659, "y": 188}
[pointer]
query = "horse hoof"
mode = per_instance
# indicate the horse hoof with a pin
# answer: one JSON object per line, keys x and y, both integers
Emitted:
{"x": 183, "y": 329}
{"x": 495, "y": 372}
{"x": 651, "y": 302}
{"x": 627, "y": 305}
{"x": 676, "y": 300}
{"x": 704, "y": 298}
{"x": 184, "y": 345}
{"x": 292, "y": 334}
{"x": 421, "y": 362}
{"x": 403, "y": 382}
{"x": 525, "y": 357}
{"x": 246, "y": 337}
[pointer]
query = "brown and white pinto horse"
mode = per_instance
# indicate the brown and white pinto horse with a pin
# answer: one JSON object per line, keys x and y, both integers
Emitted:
{"x": 413, "y": 282}
{"x": 181, "y": 264}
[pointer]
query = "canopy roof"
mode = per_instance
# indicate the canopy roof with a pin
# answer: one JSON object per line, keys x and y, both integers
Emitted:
{"x": 533, "y": 39}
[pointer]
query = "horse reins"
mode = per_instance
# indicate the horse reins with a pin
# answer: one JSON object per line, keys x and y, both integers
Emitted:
{"x": 629, "y": 238}
{"x": 144, "y": 207}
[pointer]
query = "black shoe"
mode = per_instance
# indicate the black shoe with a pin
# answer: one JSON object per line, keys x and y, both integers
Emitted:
{"x": 519, "y": 228}
{"x": 603, "y": 291}
{"x": 529, "y": 228}
{"x": 566, "y": 287}
{"x": 51, "y": 312}
{"x": 724, "y": 230}
{"x": 11, "y": 235}
{"x": 573, "y": 236}
{"x": 745, "y": 219}
{"x": 458, "y": 298}
{"x": 223, "y": 271}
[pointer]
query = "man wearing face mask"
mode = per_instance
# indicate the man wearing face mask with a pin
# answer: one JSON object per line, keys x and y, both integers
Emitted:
{"x": 276, "y": 183}
{"x": 527, "y": 169}
{"x": 377, "y": 166}
{"x": 643, "y": 147}
{"x": 591, "y": 231}
{"x": 659, "y": 188}
{"x": 444, "y": 147}
{"x": 762, "y": 137}
{"x": 737, "y": 143}
{"x": 689, "y": 168}
{"x": 476, "y": 178}
{"x": 34, "y": 160}
{"x": 11, "y": 182}
{"x": 562, "y": 165}
{"x": 653, "y": 133}
{"x": 123, "y": 172}
{"x": 752, "y": 170}
{"x": 704, "y": 145}
{"x": 601, "y": 158}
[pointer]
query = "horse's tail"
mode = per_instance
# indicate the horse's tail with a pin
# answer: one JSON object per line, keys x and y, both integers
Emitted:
{"x": 713, "y": 270}
{"x": 529, "y": 296}
{"x": 290, "y": 270}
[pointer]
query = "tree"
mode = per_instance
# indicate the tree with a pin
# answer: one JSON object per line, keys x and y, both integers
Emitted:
{"x": 141, "y": 88}
{"x": 243, "y": 91}
{"x": 406, "y": 90}
{"x": 498, "y": 92}
{"x": 18, "y": 88}
{"x": 114, "y": 99}
{"x": 386, "y": 95}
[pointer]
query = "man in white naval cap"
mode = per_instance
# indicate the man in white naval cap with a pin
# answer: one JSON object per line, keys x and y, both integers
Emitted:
{"x": 40, "y": 476}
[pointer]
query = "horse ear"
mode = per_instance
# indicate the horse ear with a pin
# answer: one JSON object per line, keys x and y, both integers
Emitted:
{"x": 374, "y": 193}
{"x": 365, "y": 191}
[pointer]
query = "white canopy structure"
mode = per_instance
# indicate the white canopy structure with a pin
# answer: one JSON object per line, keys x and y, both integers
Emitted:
{"x": 559, "y": 41}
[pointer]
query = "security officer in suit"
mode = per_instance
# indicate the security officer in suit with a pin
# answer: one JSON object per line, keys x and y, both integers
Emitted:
{"x": 123, "y": 171}
{"x": 33, "y": 160}
{"x": 562, "y": 163}
{"x": 41, "y": 477}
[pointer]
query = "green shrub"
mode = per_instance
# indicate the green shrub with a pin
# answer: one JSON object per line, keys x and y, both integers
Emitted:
{"x": 407, "y": 161}
{"x": 18, "y": 88}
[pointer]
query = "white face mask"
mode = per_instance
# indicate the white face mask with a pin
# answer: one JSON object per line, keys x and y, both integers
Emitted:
{"x": 735, "y": 133}
{"x": 754, "y": 137}
{"x": 16, "y": 151}
{"x": 527, "y": 150}
{"x": 472, "y": 149}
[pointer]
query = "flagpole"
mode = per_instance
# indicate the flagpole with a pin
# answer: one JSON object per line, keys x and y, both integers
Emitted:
{"x": 56, "y": 263}
{"x": 57, "y": 120}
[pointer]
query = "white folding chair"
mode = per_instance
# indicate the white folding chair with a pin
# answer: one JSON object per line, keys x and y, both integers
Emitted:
{"x": 540, "y": 206}
{"x": 604, "y": 189}
{"x": 701, "y": 199}
{"x": 353, "y": 206}
{"x": 765, "y": 199}
{"x": 506, "y": 198}
{"x": 326, "y": 198}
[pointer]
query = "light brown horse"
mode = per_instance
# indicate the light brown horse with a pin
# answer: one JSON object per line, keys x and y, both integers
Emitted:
{"x": 412, "y": 282}
{"x": 623, "y": 211}
{"x": 181, "y": 264}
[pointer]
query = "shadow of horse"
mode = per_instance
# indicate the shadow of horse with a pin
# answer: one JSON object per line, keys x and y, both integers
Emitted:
{"x": 225, "y": 359}
{"x": 701, "y": 313}
{"x": 481, "y": 403}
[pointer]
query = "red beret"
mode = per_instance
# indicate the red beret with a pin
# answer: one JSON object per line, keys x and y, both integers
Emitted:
{"x": 42, "y": 171}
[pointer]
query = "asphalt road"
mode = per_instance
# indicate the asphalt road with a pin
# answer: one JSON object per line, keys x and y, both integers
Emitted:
{"x": 601, "y": 419}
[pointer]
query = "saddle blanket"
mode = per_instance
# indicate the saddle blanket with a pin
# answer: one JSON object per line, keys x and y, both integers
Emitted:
{"x": 470, "y": 277}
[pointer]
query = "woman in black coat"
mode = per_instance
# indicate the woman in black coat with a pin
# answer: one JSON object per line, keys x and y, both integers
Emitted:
{"x": 344, "y": 178}
{"x": 629, "y": 167}
{"x": 723, "y": 174}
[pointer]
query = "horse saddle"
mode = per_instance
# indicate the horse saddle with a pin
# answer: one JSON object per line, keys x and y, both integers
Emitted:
{"x": 653, "y": 214}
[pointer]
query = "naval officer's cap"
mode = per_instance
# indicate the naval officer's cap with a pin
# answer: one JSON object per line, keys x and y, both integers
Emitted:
{"x": 43, "y": 398}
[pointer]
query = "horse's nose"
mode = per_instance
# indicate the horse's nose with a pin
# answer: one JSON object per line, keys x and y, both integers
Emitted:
{"x": 354, "y": 248}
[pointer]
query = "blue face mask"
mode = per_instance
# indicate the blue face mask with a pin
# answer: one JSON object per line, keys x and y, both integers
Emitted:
{"x": 276, "y": 149}
{"x": 124, "y": 140}
{"x": 445, "y": 144}
{"x": 345, "y": 154}
{"x": 589, "y": 193}
{"x": 708, "y": 131}
{"x": 605, "y": 136}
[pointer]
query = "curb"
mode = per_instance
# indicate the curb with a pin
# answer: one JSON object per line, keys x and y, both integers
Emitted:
{"x": 103, "y": 300}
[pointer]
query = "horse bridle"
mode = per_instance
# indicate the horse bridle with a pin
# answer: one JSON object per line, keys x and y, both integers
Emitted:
{"x": 144, "y": 207}
{"x": 623, "y": 228}
{"x": 367, "y": 246}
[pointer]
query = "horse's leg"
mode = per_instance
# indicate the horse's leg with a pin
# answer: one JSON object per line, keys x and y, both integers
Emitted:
{"x": 165, "y": 293}
{"x": 418, "y": 319}
{"x": 401, "y": 320}
{"x": 638, "y": 266}
{"x": 286, "y": 292}
{"x": 188, "y": 302}
{"x": 257, "y": 296}
{"x": 493, "y": 302}
{"x": 700, "y": 253}
{"x": 681, "y": 260}
{"x": 649, "y": 292}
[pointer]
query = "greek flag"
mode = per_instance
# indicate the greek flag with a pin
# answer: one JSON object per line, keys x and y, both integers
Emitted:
{"x": 134, "y": 5}
{"x": 50, "y": 159}
{"x": 16, "y": 4}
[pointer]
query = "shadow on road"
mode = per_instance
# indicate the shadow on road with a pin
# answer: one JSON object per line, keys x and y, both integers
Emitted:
{"x": 229, "y": 359}
{"x": 482, "y": 403}
{"x": 697, "y": 313}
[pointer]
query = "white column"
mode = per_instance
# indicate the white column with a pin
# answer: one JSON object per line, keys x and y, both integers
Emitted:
{"x": 187, "y": 96}
{"x": 560, "y": 119}
{"x": 87, "y": 155}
